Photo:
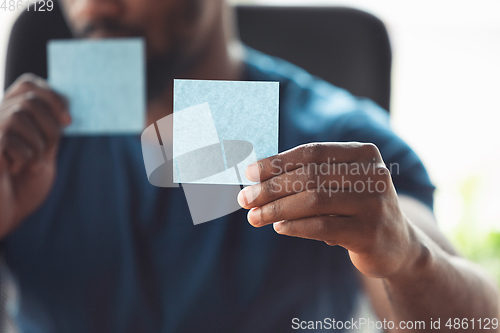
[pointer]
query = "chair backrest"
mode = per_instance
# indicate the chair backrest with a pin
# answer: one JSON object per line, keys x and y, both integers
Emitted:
{"x": 345, "y": 46}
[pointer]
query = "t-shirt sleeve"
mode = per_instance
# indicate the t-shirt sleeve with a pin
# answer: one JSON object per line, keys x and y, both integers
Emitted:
{"x": 370, "y": 123}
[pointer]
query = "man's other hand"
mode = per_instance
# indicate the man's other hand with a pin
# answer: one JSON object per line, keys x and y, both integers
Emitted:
{"x": 31, "y": 119}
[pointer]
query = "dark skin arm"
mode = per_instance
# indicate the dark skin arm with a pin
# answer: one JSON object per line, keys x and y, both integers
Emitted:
{"x": 409, "y": 269}
{"x": 416, "y": 298}
{"x": 31, "y": 119}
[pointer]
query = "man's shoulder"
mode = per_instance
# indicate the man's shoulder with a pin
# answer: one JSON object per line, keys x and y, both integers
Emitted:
{"x": 311, "y": 104}
{"x": 313, "y": 110}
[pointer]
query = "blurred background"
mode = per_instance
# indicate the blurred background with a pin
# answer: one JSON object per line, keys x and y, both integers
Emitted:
{"x": 445, "y": 83}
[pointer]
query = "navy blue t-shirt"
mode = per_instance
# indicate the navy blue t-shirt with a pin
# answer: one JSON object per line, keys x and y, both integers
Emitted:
{"x": 108, "y": 252}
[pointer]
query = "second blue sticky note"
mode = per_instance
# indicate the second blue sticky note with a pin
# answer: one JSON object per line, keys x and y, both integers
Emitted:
{"x": 104, "y": 81}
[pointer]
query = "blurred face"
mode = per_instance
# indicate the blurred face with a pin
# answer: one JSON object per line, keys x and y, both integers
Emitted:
{"x": 176, "y": 31}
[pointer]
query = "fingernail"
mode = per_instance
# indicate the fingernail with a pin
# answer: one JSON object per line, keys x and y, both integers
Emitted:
{"x": 254, "y": 216}
{"x": 252, "y": 172}
{"x": 277, "y": 226}
{"x": 244, "y": 197}
{"x": 248, "y": 195}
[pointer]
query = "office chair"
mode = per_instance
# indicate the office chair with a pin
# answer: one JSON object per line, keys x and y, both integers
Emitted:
{"x": 344, "y": 46}
{"x": 347, "y": 47}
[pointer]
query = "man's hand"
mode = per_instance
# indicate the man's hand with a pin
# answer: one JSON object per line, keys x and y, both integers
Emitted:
{"x": 339, "y": 193}
{"x": 31, "y": 119}
{"x": 342, "y": 194}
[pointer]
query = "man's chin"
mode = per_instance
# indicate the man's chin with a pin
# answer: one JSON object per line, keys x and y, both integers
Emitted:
{"x": 106, "y": 35}
{"x": 110, "y": 33}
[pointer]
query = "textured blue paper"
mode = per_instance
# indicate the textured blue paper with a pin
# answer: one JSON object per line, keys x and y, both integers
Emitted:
{"x": 240, "y": 110}
{"x": 104, "y": 81}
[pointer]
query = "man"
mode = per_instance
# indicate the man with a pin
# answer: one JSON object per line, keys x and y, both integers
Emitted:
{"x": 95, "y": 248}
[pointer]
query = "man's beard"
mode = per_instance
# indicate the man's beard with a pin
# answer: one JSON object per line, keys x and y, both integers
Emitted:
{"x": 161, "y": 69}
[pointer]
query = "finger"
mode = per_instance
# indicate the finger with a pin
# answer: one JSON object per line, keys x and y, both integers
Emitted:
{"x": 334, "y": 230}
{"x": 18, "y": 153}
{"x": 355, "y": 176}
{"x": 32, "y": 84}
{"x": 23, "y": 82}
{"x": 306, "y": 204}
{"x": 347, "y": 232}
{"x": 328, "y": 152}
{"x": 42, "y": 117}
{"x": 22, "y": 125}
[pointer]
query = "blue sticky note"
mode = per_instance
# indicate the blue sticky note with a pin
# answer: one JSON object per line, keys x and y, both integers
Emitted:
{"x": 104, "y": 81}
{"x": 220, "y": 127}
